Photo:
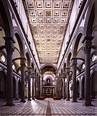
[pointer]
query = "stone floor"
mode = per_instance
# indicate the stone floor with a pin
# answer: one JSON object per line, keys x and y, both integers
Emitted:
{"x": 48, "y": 107}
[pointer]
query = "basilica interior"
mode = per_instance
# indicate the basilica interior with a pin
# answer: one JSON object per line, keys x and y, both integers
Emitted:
{"x": 48, "y": 51}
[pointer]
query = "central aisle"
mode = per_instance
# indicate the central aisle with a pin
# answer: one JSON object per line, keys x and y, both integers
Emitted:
{"x": 48, "y": 107}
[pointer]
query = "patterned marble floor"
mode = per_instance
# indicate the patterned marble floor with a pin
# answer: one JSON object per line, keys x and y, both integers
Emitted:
{"x": 48, "y": 107}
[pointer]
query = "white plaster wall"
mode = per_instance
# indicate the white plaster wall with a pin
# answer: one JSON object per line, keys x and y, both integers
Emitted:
{"x": 24, "y": 20}
{"x": 72, "y": 20}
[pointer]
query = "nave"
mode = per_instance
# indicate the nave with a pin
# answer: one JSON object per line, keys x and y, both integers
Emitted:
{"x": 48, "y": 107}
{"x": 48, "y": 50}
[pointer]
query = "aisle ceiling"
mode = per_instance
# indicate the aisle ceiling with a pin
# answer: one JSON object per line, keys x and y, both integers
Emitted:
{"x": 48, "y": 19}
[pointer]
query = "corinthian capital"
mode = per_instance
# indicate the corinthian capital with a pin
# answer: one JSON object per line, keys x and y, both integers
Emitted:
{"x": 87, "y": 43}
{"x": 9, "y": 44}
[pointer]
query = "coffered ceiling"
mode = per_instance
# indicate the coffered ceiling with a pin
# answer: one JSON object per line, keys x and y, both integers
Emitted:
{"x": 48, "y": 20}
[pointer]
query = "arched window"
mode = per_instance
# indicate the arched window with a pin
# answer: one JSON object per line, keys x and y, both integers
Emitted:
{"x": 13, "y": 67}
{"x": 94, "y": 57}
{"x": 2, "y": 58}
{"x": 83, "y": 66}
{"x": 77, "y": 72}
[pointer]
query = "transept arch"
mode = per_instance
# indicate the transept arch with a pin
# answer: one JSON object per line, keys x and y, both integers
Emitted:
{"x": 45, "y": 68}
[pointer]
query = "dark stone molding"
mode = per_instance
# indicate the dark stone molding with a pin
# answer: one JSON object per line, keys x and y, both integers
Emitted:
{"x": 9, "y": 80}
{"x": 4, "y": 68}
{"x": 88, "y": 15}
{"x": 93, "y": 68}
{"x": 4, "y": 9}
{"x": 29, "y": 83}
{"x": 74, "y": 63}
{"x": 87, "y": 48}
{"x": 13, "y": 9}
{"x": 19, "y": 36}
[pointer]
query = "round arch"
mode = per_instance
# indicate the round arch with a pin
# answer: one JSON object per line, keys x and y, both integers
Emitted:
{"x": 2, "y": 41}
{"x": 19, "y": 37}
{"x": 90, "y": 18}
{"x": 28, "y": 59}
{"x": 78, "y": 36}
{"x": 68, "y": 59}
{"x": 64, "y": 67}
{"x": 49, "y": 67}
{"x": 6, "y": 21}
{"x": 50, "y": 76}
{"x": 32, "y": 65}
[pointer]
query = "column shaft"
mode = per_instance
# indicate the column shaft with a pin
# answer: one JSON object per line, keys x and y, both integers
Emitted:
{"x": 33, "y": 88}
{"x": 64, "y": 96}
{"x": 87, "y": 80}
{"x": 40, "y": 86}
{"x": 80, "y": 85}
{"x": 68, "y": 94}
{"x": 29, "y": 83}
{"x": 9, "y": 79}
{"x": 87, "y": 45}
{"x": 74, "y": 97}
{"x": 17, "y": 89}
{"x": 64, "y": 89}
{"x": 23, "y": 80}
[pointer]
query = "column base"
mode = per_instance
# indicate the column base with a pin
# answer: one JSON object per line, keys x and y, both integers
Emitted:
{"x": 23, "y": 101}
{"x": 16, "y": 98}
{"x": 9, "y": 104}
{"x": 88, "y": 104}
{"x": 74, "y": 100}
{"x": 67, "y": 99}
{"x": 80, "y": 98}
{"x": 64, "y": 97}
{"x": 33, "y": 98}
{"x": 29, "y": 99}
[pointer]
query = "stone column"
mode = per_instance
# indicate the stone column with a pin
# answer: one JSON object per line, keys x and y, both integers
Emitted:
{"x": 33, "y": 75}
{"x": 87, "y": 48}
{"x": 23, "y": 79}
{"x": 17, "y": 89}
{"x": 35, "y": 86}
{"x": 58, "y": 88}
{"x": 42, "y": 91}
{"x": 80, "y": 89}
{"x": 40, "y": 86}
{"x": 64, "y": 94}
{"x": 74, "y": 63}
{"x": 55, "y": 93}
{"x": 29, "y": 83}
{"x": 67, "y": 87}
{"x": 63, "y": 87}
{"x": 80, "y": 85}
{"x": 9, "y": 80}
